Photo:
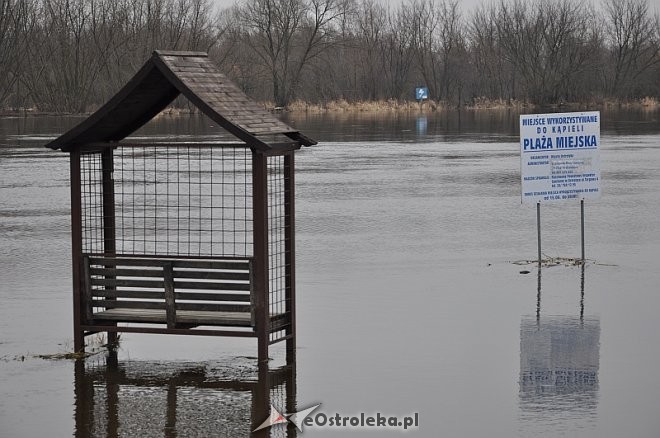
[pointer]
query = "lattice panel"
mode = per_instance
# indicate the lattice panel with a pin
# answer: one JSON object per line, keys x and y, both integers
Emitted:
{"x": 277, "y": 220}
{"x": 91, "y": 200}
{"x": 174, "y": 200}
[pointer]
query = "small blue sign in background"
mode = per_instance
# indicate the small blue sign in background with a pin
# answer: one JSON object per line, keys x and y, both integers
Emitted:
{"x": 421, "y": 93}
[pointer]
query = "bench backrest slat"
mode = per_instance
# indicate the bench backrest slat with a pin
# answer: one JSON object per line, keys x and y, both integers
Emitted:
{"x": 179, "y": 296}
{"x": 160, "y": 284}
{"x": 225, "y": 264}
{"x": 202, "y": 307}
{"x": 170, "y": 284}
{"x": 180, "y": 273}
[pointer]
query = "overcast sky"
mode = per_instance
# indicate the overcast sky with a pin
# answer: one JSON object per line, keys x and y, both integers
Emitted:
{"x": 466, "y": 5}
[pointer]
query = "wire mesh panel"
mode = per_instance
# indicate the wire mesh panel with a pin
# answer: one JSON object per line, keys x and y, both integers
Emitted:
{"x": 174, "y": 200}
{"x": 91, "y": 200}
{"x": 277, "y": 186}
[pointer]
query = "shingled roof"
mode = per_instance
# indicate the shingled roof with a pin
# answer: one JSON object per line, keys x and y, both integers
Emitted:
{"x": 162, "y": 78}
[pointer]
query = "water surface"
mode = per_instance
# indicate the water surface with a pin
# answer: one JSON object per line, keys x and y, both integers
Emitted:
{"x": 408, "y": 300}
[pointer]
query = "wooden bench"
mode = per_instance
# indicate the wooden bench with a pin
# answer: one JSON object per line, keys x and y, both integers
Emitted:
{"x": 178, "y": 292}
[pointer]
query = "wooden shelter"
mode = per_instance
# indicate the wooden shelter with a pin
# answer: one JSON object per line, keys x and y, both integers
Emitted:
{"x": 183, "y": 238}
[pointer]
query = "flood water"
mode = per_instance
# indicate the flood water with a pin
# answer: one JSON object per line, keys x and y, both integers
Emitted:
{"x": 409, "y": 300}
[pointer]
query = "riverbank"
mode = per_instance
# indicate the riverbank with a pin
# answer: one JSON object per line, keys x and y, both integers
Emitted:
{"x": 393, "y": 105}
{"x": 398, "y": 106}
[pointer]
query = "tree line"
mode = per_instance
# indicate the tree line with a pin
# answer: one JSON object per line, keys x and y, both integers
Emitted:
{"x": 72, "y": 55}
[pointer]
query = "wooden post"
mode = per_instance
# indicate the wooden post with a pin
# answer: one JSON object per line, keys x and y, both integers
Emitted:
{"x": 76, "y": 251}
{"x": 290, "y": 254}
{"x": 260, "y": 248}
{"x": 109, "y": 220}
{"x": 108, "y": 168}
{"x": 170, "y": 302}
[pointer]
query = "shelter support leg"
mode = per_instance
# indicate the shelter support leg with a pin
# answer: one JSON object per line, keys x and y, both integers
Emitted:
{"x": 290, "y": 257}
{"x": 79, "y": 341}
{"x": 260, "y": 245}
{"x": 291, "y": 350}
{"x": 112, "y": 341}
{"x": 262, "y": 350}
{"x": 76, "y": 252}
{"x": 109, "y": 221}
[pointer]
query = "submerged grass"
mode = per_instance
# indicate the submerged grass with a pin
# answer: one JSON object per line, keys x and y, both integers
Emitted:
{"x": 554, "y": 261}
{"x": 378, "y": 106}
{"x": 548, "y": 262}
{"x": 66, "y": 356}
{"x": 96, "y": 345}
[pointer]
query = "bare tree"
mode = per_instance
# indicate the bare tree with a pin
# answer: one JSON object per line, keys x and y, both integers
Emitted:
{"x": 285, "y": 35}
{"x": 71, "y": 55}
{"x": 13, "y": 19}
{"x": 437, "y": 38}
{"x": 370, "y": 22}
{"x": 494, "y": 78}
{"x": 550, "y": 44}
{"x": 632, "y": 49}
{"x": 397, "y": 53}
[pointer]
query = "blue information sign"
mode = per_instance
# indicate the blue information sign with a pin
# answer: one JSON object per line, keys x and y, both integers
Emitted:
{"x": 421, "y": 93}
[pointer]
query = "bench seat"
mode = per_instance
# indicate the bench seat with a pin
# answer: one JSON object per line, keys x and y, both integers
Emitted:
{"x": 237, "y": 319}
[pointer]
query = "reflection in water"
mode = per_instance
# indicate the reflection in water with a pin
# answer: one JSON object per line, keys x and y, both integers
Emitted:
{"x": 162, "y": 399}
{"x": 559, "y": 363}
{"x": 558, "y": 355}
{"x": 581, "y": 293}
{"x": 538, "y": 298}
{"x": 451, "y": 125}
{"x": 422, "y": 125}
